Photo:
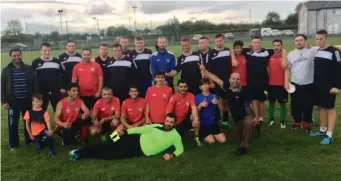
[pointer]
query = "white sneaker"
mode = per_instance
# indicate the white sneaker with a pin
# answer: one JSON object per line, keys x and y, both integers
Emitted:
{"x": 271, "y": 123}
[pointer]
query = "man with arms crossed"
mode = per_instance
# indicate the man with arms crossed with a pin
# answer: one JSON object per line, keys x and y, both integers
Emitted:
{"x": 207, "y": 104}
{"x": 89, "y": 76}
{"x": 135, "y": 142}
{"x": 120, "y": 73}
{"x": 241, "y": 61}
{"x": 276, "y": 90}
{"x": 48, "y": 71}
{"x": 68, "y": 116}
{"x": 141, "y": 56}
{"x": 182, "y": 104}
{"x": 327, "y": 81}
{"x": 68, "y": 60}
{"x": 163, "y": 60}
{"x": 239, "y": 105}
{"x": 106, "y": 113}
{"x": 132, "y": 111}
{"x": 300, "y": 73}
{"x": 157, "y": 98}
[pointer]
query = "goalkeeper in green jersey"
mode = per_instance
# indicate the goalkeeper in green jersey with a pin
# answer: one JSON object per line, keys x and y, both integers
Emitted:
{"x": 140, "y": 141}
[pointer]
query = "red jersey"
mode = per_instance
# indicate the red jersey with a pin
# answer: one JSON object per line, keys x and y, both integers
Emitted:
{"x": 276, "y": 72}
{"x": 181, "y": 105}
{"x": 133, "y": 110}
{"x": 87, "y": 75}
{"x": 241, "y": 69}
{"x": 70, "y": 112}
{"x": 157, "y": 99}
{"x": 105, "y": 109}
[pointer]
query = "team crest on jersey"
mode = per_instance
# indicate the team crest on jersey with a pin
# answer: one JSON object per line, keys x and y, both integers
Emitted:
{"x": 164, "y": 95}
{"x": 158, "y": 60}
{"x": 102, "y": 109}
{"x": 76, "y": 109}
{"x": 92, "y": 69}
{"x": 154, "y": 95}
{"x": 39, "y": 64}
{"x": 68, "y": 110}
{"x": 167, "y": 60}
{"x": 214, "y": 54}
{"x": 139, "y": 109}
{"x": 112, "y": 108}
{"x": 187, "y": 103}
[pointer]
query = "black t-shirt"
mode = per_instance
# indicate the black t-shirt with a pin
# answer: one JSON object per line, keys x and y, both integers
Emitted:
{"x": 327, "y": 73}
{"x": 102, "y": 63}
{"x": 238, "y": 103}
{"x": 256, "y": 66}
{"x": 142, "y": 61}
{"x": 190, "y": 71}
{"x": 48, "y": 73}
{"x": 68, "y": 62}
{"x": 220, "y": 63}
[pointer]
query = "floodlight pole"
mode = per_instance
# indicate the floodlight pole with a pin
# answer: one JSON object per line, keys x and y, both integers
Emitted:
{"x": 60, "y": 11}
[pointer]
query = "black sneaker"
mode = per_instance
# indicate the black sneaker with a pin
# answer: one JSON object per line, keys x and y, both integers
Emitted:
{"x": 241, "y": 151}
{"x": 295, "y": 127}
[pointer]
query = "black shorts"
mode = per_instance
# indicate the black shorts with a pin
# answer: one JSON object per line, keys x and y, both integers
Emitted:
{"x": 212, "y": 129}
{"x": 89, "y": 101}
{"x": 277, "y": 93}
{"x": 106, "y": 127}
{"x": 186, "y": 124}
{"x": 324, "y": 99}
{"x": 256, "y": 92}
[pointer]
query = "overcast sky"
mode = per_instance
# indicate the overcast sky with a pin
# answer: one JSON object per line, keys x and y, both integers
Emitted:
{"x": 42, "y": 15}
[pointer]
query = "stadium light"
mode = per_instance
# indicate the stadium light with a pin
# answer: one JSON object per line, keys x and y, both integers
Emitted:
{"x": 94, "y": 18}
{"x": 134, "y": 8}
{"x": 60, "y": 11}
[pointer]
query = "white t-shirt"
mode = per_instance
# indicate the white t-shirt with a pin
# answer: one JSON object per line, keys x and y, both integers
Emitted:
{"x": 301, "y": 65}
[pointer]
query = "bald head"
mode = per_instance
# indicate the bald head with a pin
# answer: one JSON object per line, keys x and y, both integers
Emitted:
{"x": 235, "y": 80}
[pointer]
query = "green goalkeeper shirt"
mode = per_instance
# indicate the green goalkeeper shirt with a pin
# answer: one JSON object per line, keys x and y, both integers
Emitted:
{"x": 154, "y": 139}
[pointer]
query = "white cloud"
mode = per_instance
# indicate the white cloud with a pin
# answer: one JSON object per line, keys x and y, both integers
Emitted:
{"x": 79, "y": 13}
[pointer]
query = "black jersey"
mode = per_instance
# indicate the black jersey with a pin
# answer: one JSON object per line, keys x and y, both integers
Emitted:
{"x": 68, "y": 62}
{"x": 48, "y": 73}
{"x": 238, "y": 102}
{"x": 119, "y": 75}
{"x": 327, "y": 71}
{"x": 220, "y": 63}
{"x": 142, "y": 61}
{"x": 127, "y": 53}
{"x": 188, "y": 65}
{"x": 257, "y": 66}
{"x": 102, "y": 63}
{"x": 205, "y": 57}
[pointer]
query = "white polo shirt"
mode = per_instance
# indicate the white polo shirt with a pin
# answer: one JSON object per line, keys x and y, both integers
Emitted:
{"x": 301, "y": 65}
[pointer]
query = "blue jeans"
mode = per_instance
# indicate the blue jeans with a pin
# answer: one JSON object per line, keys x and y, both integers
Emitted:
{"x": 43, "y": 139}
{"x": 13, "y": 123}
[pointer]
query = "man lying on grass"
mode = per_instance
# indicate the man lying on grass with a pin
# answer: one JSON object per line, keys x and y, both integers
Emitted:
{"x": 140, "y": 141}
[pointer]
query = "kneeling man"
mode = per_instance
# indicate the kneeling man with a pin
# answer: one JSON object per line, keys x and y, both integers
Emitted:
{"x": 106, "y": 113}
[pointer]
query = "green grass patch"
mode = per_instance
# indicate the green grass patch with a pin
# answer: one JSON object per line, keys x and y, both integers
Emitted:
{"x": 279, "y": 154}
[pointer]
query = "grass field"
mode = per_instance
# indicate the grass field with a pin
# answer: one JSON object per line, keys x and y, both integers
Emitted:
{"x": 279, "y": 154}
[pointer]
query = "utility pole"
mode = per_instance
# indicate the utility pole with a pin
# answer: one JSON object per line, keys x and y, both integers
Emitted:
{"x": 134, "y": 8}
{"x": 97, "y": 26}
{"x": 129, "y": 24}
{"x": 66, "y": 27}
{"x": 94, "y": 18}
{"x": 249, "y": 20}
{"x": 60, "y": 11}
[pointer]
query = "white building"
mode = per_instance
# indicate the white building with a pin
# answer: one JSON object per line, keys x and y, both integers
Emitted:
{"x": 317, "y": 15}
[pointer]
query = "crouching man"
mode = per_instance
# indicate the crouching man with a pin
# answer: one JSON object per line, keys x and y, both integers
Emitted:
{"x": 135, "y": 142}
{"x": 132, "y": 111}
{"x": 105, "y": 114}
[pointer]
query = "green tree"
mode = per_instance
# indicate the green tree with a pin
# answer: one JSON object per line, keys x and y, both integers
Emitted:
{"x": 111, "y": 31}
{"x": 14, "y": 28}
{"x": 102, "y": 33}
{"x": 292, "y": 19}
{"x": 55, "y": 36}
{"x": 272, "y": 18}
